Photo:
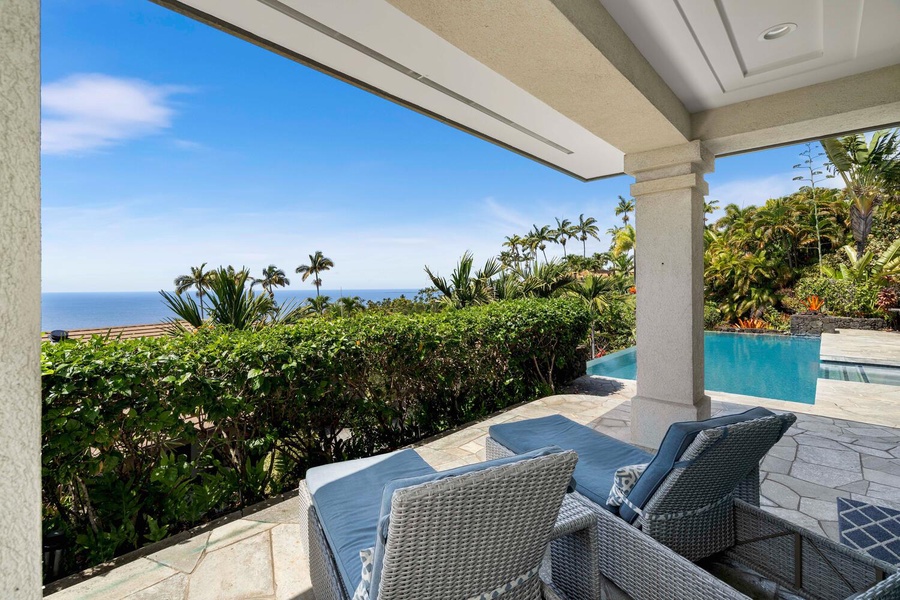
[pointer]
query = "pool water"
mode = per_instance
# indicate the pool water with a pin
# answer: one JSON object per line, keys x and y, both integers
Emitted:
{"x": 768, "y": 366}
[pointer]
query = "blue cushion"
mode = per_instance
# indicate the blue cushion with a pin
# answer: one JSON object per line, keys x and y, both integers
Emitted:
{"x": 677, "y": 439}
{"x": 598, "y": 455}
{"x": 347, "y": 498}
{"x": 396, "y": 484}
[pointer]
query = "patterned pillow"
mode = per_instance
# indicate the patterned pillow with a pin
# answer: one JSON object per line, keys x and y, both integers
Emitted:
{"x": 367, "y": 557}
{"x": 623, "y": 481}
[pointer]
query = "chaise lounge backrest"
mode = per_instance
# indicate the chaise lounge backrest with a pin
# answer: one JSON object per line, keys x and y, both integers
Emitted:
{"x": 472, "y": 534}
{"x": 691, "y": 509}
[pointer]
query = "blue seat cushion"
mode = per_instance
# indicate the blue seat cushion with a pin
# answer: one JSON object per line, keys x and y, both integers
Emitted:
{"x": 347, "y": 499}
{"x": 389, "y": 489}
{"x": 676, "y": 441}
{"x": 598, "y": 455}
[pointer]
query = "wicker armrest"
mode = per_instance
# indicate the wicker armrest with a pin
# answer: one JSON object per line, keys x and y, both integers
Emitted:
{"x": 804, "y": 562}
{"x": 646, "y": 570}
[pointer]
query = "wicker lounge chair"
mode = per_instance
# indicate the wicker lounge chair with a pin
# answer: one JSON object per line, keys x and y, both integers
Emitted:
{"x": 702, "y": 503}
{"x": 461, "y": 533}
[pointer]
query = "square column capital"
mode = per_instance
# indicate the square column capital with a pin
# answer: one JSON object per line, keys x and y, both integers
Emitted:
{"x": 684, "y": 159}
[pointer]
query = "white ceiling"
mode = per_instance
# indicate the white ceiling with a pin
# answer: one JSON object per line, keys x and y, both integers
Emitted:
{"x": 710, "y": 54}
{"x": 423, "y": 70}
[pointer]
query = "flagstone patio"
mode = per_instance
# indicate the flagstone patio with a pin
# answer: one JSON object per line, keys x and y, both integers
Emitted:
{"x": 821, "y": 458}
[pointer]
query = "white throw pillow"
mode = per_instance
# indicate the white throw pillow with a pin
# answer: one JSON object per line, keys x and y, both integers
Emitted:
{"x": 367, "y": 557}
{"x": 623, "y": 482}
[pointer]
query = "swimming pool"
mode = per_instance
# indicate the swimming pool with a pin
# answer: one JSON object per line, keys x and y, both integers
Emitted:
{"x": 859, "y": 373}
{"x": 768, "y": 366}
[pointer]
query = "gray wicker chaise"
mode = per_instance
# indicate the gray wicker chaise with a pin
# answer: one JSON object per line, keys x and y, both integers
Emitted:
{"x": 699, "y": 505}
{"x": 464, "y": 533}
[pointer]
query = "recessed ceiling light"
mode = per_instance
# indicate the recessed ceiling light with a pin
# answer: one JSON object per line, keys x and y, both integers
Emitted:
{"x": 777, "y": 31}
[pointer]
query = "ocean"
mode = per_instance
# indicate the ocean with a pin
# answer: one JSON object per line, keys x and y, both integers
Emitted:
{"x": 87, "y": 310}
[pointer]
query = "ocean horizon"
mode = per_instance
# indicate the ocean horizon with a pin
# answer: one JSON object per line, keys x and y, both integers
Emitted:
{"x": 88, "y": 310}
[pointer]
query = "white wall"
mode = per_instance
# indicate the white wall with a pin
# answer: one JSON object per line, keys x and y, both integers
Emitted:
{"x": 20, "y": 299}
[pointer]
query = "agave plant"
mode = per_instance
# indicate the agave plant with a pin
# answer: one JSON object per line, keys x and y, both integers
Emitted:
{"x": 465, "y": 288}
{"x": 185, "y": 307}
{"x": 290, "y": 312}
{"x": 234, "y": 304}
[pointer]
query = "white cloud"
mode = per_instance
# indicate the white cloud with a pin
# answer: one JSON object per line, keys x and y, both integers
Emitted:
{"x": 188, "y": 145}
{"x": 506, "y": 216}
{"x": 88, "y": 111}
{"x": 746, "y": 192}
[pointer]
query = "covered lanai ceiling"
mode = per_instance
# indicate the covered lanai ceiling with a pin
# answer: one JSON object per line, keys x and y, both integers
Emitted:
{"x": 576, "y": 84}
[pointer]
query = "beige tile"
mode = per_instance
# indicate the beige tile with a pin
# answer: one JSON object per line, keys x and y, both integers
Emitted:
{"x": 234, "y": 532}
{"x": 287, "y": 511}
{"x": 239, "y": 571}
{"x": 290, "y": 564}
{"x": 173, "y": 588}
{"x": 118, "y": 583}
{"x": 183, "y": 556}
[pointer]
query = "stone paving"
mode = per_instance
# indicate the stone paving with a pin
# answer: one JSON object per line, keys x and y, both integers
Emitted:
{"x": 868, "y": 347}
{"x": 818, "y": 460}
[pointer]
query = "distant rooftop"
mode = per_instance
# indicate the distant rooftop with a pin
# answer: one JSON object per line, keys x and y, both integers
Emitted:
{"x": 122, "y": 332}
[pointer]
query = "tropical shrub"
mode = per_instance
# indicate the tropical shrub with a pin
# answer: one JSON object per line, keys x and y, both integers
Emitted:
{"x": 615, "y": 324}
{"x": 841, "y": 297}
{"x": 867, "y": 267}
{"x": 888, "y": 298}
{"x": 143, "y": 438}
{"x": 712, "y": 316}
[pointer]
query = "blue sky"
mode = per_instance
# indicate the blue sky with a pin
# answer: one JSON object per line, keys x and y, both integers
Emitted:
{"x": 168, "y": 144}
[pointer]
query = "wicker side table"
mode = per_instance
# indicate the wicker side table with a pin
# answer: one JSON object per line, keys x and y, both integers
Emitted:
{"x": 571, "y": 564}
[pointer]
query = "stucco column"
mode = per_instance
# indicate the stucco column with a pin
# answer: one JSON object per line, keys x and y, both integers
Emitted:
{"x": 20, "y": 300}
{"x": 668, "y": 191}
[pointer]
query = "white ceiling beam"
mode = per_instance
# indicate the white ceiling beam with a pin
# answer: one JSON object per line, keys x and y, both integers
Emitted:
{"x": 571, "y": 55}
{"x": 866, "y": 101}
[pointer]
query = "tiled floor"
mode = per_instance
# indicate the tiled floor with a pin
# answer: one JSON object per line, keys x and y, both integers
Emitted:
{"x": 869, "y": 347}
{"x": 852, "y": 451}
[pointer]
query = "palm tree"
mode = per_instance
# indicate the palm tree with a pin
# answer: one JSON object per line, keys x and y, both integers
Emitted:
{"x": 547, "y": 280}
{"x": 513, "y": 243}
{"x": 777, "y": 223}
{"x": 318, "y": 263}
{"x": 622, "y": 239}
{"x": 624, "y": 207}
{"x": 199, "y": 280}
{"x": 563, "y": 232}
{"x": 594, "y": 291}
{"x": 272, "y": 277}
{"x": 349, "y": 305}
{"x": 540, "y": 237}
{"x": 319, "y": 304}
{"x": 871, "y": 173}
{"x": 586, "y": 228}
{"x": 709, "y": 208}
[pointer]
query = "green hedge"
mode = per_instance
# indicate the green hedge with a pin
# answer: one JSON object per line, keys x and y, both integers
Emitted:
{"x": 842, "y": 297}
{"x": 143, "y": 438}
